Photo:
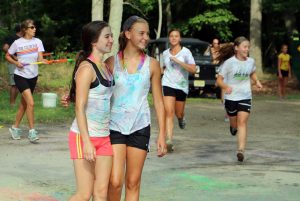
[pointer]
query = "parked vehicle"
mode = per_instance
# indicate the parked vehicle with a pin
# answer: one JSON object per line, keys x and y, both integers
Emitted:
{"x": 202, "y": 83}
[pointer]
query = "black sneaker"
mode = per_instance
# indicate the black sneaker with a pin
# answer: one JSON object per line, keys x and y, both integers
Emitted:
{"x": 240, "y": 155}
{"x": 233, "y": 131}
{"x": 181, "y": 123}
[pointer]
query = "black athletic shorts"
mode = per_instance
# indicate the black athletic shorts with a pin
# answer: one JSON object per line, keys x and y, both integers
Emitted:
{"x": 233, "y": 107}
{"x": 139, "y": 139}
{"x": 177, "y": 93}
{"x": 284, "y": 73}
{"x": 24, "y": 83}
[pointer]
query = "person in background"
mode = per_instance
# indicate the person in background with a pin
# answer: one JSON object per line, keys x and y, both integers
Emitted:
{"x": 178, "y": 63}
{"x": 28, "y": 50}
{"x": 13, "y": 91}
{"x": 235, "y": 78}
{"x": 284, "y": 71}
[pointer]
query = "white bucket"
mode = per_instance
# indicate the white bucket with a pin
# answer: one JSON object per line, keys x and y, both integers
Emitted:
{"x": 49, "y": 99}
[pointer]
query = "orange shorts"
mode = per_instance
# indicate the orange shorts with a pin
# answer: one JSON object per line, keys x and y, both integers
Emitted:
{"x": 102, "y": 145}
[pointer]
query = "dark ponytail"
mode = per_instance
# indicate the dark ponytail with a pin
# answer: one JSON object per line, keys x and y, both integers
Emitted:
{"x": 122, "y": 41}
{"x": 90, "y": 34}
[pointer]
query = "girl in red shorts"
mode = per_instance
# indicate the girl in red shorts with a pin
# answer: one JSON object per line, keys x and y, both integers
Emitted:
{"x": 91, "y": 90}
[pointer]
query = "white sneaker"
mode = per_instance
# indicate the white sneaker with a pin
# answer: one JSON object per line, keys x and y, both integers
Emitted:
{"x": 32, "y": 135}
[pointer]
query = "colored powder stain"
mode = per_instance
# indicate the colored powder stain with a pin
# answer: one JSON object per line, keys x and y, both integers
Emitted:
{"x": 206, "y": 183}
{"x": 10, "y": 194}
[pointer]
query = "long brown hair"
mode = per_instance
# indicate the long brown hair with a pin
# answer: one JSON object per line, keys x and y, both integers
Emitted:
{"x": 227, "y": 50}
{"x": 90, "y": 34}
{"x": 126, "y": 27}
{"x": 25, "y": 24}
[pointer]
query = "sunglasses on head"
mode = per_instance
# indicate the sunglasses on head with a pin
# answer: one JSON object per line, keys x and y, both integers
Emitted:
{"x": 31, "y": 27}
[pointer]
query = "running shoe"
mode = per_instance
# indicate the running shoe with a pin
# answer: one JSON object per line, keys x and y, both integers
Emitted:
{"x": 32, "y": 135}
{"x": 15, "y": 133}
{"x": 233, "y": 131}
{"x": 181, "y": 123}
{"x": 240, "y": 155}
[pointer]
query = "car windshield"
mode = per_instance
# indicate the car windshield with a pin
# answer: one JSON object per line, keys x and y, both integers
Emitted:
{"x": 198, "y": 50}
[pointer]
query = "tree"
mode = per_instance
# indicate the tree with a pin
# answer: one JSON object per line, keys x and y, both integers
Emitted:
{"x": 97, "y": 9}
{"x": 255, "y": 34}
{"x": 115, "y": 19}
{"x": 159, "y": 19}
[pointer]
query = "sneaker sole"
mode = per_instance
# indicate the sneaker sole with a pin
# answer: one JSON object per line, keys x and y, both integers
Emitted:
{"x": 12, "y": 136}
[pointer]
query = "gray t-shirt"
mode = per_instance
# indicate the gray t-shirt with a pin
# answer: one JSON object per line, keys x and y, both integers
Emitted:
{"x": 236, "y": 74}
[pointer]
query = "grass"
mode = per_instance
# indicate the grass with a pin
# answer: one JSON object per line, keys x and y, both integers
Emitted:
{"x": 42, "y": 115}
{"x": 52, "y": 78}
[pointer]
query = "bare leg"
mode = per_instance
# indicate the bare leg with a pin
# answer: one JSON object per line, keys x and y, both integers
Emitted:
{"x": 179, "y": 109}
{"x": 284, "y": 83}
{"x": 20, "y": 112}
{"x": 84, "y": 172}
{"x": 13, "y": 95}
{"x": 169, "y": 102}
{"x": 280, "y": 87}
{"x": 27, "y": 95}
{"x": 118, "y": 171}
{"x": 102, "y": 174}
{"x": 134, "y": 167}
{"x": 242, "y": 120}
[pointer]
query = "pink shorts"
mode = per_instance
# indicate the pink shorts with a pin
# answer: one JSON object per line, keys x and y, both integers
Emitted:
{"x": 102, "y": 145}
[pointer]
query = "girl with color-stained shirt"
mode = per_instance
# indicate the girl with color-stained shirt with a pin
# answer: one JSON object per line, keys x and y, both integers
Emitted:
{"x": 92, "y": 86}
{"x": 28, "y": 49}
{"x": 134, "y": 73}
{"x": 235, "y": 78}
{"x": 284, "y": 70}
{"x": 178, "y": 63}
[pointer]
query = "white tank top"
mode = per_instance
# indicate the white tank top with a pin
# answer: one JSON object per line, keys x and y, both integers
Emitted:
{"x": 130, "y": 109}
{"x": 98, "y": 107}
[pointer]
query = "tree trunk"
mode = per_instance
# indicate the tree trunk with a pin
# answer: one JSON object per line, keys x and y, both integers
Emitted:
{"x": 115, "y": 19}
{"x": 255, "y": 34}
{"x": 159, "y": 19}
{"x": 169, "y": 15}
{"x": 97, "y": 9}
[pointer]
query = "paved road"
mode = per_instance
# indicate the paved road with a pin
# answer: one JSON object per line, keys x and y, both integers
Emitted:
{"x": 202, "y": 168}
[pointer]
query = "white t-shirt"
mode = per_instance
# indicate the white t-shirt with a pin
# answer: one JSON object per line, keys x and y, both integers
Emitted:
{"x": 236, "y": 74}
{"x": 175, "y": 76}
{"x": 27, "y": 52}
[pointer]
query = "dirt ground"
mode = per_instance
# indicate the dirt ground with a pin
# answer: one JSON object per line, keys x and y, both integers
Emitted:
{"x": 202, "y": 168}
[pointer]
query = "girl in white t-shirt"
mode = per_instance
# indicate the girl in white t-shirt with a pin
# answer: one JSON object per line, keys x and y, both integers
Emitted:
{"x": 178, "y": 63}
{"x": 28, "y": 49}
{"x": 238, "y": 71}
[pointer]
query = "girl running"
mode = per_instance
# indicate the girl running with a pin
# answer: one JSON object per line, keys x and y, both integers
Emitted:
{"x": 284, "y": 71}
{"x": 28, "y": 49}
{"x": 178, "y": 63}
{"x": 89, "y": 142}
{"x": 238, "y": 71}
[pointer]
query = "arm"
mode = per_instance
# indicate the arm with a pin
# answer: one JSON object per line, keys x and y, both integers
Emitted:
{"x": 278, "y": 68}
{"x": 222, "y": 85}
{"x": 83, "y": 79}
{"x": 254, "y": 78}
{"x": 189, "y": 67}
{"x": 11, "y": 60}
{"x": 159, "y": 106}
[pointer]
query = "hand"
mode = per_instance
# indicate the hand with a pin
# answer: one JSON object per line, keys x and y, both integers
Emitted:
{"x": 89, "y": 151}
{"x": 65, "y": 100}
{"x": 174, "y": 59}
{"x": 19, "y": 65}
{"x": 280, "y": 76}
{"x": 228, "y": 90}
{"x": 259, "y": 85}
{"x": 161, "y": 146}
{"x": 45, "y": 61}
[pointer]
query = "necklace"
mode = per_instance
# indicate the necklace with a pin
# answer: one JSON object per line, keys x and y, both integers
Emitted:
{"x": 108, "y": 75}
{"x": 124, "y": 64}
